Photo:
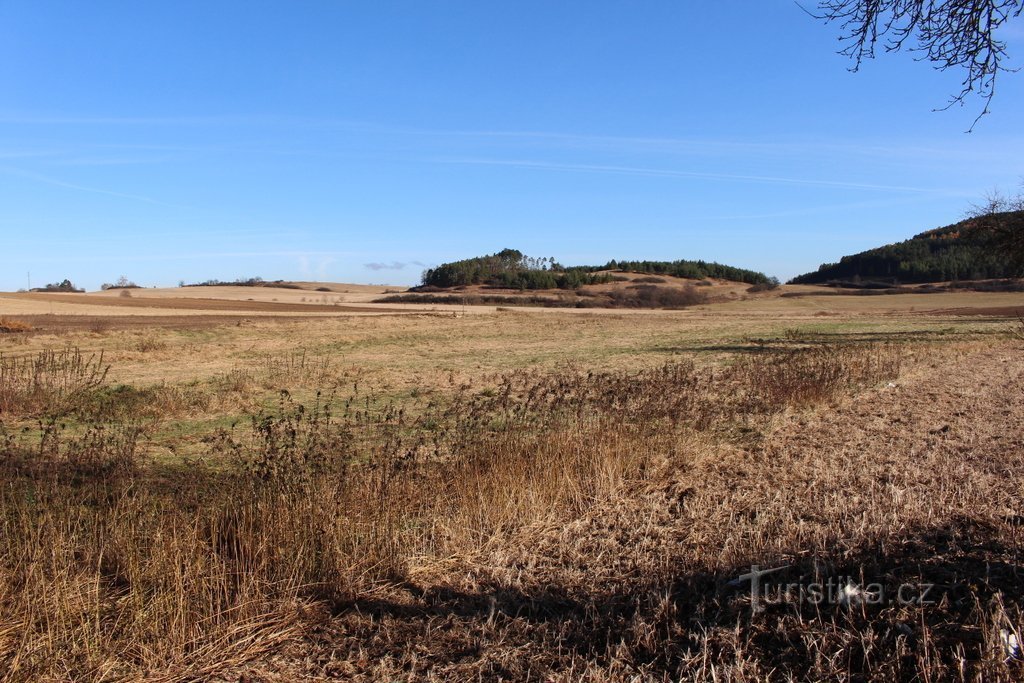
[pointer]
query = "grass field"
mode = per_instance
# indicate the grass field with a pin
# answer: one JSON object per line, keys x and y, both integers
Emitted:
{"x": 238, "y": 484}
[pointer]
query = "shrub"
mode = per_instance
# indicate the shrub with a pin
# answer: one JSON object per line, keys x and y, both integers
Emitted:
{"x": 653, "y": 296}
{"x": 12, "y": 326}
{"x": 1017, "y": 331}
{"x": 122, "y": 283}
{"x": 807, "y": 376}
{"x": 62, "y": 286}
{"x": 771, "y": 284}
{"x": 51, "y": 382}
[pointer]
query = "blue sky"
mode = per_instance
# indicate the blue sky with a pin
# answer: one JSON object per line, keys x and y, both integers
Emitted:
{"x": 357, "y": 141}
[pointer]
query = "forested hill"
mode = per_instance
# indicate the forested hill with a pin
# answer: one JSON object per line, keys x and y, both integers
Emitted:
{"x": 511, "y": 268}
{"x": 962, "y": 251}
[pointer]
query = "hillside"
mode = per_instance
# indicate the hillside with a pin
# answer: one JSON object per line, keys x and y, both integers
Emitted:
{"x": 961, "y": 251}
{"x": 511, "y": 269}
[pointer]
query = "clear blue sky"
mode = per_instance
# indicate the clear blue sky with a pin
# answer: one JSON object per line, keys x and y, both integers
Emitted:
{"x": 355, "y": 141}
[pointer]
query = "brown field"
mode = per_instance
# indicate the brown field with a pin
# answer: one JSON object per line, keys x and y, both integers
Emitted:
{"x": 262, "y": 484}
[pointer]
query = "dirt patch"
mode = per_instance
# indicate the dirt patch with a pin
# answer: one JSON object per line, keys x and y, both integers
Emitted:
{"x": 994, "y": 311}
{"x": 61, "y": 324}
{"x": 197, "y": 304}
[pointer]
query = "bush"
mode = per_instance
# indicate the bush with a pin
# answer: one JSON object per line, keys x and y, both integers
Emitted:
{"x": 122, "y": 283}
{"x": 653, "y": 296}
{"x": 771, "y": 284}
{"x": 62, "y": 286}
{"x": 51, "y": 382}
{"x": 12, "y": 326}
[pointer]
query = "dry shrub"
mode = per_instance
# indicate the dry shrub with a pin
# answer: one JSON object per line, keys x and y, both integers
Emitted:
{"x": 99, "y": 326}
{"x": 12, "y": 326}
{"x": 126, "y": 402}
{"x": 768, "y": 286}
{"x": 49, "y": 382}
{"x": 290, "y": 445}
{"x": 653, "y": 296}
{"x": 237, "y": 381}
{"x": 295, "y": 368}
{"x": 807, "y": 376}
{"x": 147, "y": 343}
{"x": 1017, "y": 331}
{"x": 632, "y": 296}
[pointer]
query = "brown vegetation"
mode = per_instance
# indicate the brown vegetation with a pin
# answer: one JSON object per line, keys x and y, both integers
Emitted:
{"x": 551, "y": 523}
{"x": 630, "y": 296}
{"x": 12, "y": 326}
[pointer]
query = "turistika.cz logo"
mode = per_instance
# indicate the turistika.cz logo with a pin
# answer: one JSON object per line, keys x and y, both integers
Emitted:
{"x": 839, "y": 590}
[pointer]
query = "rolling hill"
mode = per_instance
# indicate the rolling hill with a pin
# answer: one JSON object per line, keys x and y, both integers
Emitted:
{"x": 962, "y": 251}
{"x": 510, "y": 268}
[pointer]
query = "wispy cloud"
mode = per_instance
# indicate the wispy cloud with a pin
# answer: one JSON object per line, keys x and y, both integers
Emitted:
{"x": 812, "y": 210}
{"x": 394, "y": 265}
{"x": 47, "y": 180}
{"x": 904, "y": 150}
{"x": 27, "y": 154}
{"x": 113, "y": 160}
{"x": 699, "y": 175}
{"x": 184, "y": 120}
{"x": 320, "y": 258}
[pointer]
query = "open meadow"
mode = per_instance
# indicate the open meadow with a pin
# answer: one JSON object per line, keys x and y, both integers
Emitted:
{"x": 277, "y": 485}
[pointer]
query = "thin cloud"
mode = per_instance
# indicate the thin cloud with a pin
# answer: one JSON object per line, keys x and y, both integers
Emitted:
{"x": 326, "y": 258}
{"x": 897, "y": 150}
{"x": 47, "y": 180}
{"x": 139, "y": 120}
{"x": 700, "y": 175}
{"x": 113, "y": 161}
{"x": 394, "y": 265}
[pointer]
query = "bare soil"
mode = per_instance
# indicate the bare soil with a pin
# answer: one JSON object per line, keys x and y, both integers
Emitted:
{"x": 203, "y": 304}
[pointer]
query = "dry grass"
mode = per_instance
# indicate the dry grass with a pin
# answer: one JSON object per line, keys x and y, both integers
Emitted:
{"x": 1017, "y": 331}
{"x": 13, "y": 326}
{"x": 550, "y": 522}
{"x": 48, "y": 381}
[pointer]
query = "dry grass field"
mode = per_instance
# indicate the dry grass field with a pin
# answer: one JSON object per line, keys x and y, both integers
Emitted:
{"x": 240, "y": 484}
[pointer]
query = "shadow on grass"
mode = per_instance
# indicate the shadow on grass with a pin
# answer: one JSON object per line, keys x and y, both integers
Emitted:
{"x": 962, "y": 581}
{"x": 814, "y": 339}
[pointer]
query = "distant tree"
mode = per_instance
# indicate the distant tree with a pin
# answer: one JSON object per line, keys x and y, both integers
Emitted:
{"x": 951, "y": 34}
{"x": 985, "y": 245}
{"x": 694, "y": 270}
{"x": 121, "y": 283}
{"x": 1000, "y": 219}
{"x": 62, "y": 286}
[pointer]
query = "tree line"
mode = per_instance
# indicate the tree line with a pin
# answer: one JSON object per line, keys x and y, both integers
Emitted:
{"x": 512, "y": 269}
{"x": 969, "y": 250}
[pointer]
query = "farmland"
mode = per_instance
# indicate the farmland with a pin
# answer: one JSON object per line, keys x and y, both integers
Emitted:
{"x": 220, "y": 483}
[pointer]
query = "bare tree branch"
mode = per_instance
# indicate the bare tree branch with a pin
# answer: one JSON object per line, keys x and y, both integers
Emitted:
{"x": 1000, "y": 221}
{"x": 951, "y": 34}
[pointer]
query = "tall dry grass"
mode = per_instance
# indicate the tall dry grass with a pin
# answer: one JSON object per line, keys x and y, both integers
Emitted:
{"x": 48, "y": 381}
{"x": 110, "y": 572}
